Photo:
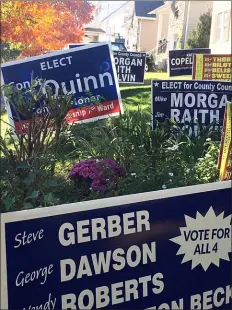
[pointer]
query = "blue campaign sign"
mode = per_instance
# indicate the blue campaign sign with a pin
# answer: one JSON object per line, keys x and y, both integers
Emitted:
{"x": 86, "y": 72}
{"x": 74, "y": 45}
{"x": 169, "y": 249}
{"x": 181, "y": 61}
{"x": 196, "y": 102}
{"x": 130, "y": 66}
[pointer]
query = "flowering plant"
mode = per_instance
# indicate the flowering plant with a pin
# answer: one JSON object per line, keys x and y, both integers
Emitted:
{"x": 100, "y": 174}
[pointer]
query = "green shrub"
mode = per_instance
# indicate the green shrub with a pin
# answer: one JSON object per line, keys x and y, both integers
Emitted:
{"x": 153, "y": 159}
{"x": 29, "y": 158}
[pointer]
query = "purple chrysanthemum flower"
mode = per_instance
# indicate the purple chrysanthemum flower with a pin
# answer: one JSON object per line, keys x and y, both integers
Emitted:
{"x": 103, "y": 173}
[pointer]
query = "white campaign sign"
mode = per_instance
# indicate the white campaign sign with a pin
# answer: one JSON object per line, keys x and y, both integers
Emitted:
{"x": 121, "y": 252}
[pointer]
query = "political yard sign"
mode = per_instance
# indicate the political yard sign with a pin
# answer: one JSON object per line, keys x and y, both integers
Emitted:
{"x": 181, "y": 61}
{"x": 74, "y": 45}
{"x": 130, "y": 67}
{"x": 169, "y": 249}
{"x": 212, "y": 67}
{"x": 225, "y": 153}
{"x": 86, "y": 72}
{"x": 190, "y": 102}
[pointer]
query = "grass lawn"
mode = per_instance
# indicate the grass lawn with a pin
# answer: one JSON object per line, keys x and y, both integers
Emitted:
{"x": 132, "y": 95}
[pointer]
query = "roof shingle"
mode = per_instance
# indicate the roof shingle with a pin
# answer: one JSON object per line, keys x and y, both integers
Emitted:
{"x": 142, "y": 8}
{"x": 91, "y": 29}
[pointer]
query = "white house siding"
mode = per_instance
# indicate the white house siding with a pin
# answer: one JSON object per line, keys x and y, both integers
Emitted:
{"x": 162, "y": 15}
{"x": 176, "y": 24}
{"x": 165, "y": 22}
{"x": 222, "y": 45}
{"x": 182, "y": 27}
{"x": 179, "y": 28}
{"x": 162, "y": 27}
{"x": 132, "y": 29}
{"x": 103, "y": 37}
{"x": 196, "y": 9}
{"x": 132, "y": 34}
{"x": 114, "y": 23}
{"x": 105, "y": 8}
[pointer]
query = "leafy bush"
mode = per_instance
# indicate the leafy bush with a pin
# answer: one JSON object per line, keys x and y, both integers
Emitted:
{"x": 153, "y": 159}
{"x": 39, "y": 171}
{"x": 150, "y": 62}
{"x": 200, "y": 37}
{"x": 206, "y": 166}
{"x": 10, "y": 51}
{"x": 29, "y": 157}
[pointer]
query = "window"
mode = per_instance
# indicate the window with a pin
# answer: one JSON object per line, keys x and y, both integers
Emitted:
{"x": 219, "y": 26}
{"x": 222, "y": 26}
{"x": 226, "y": 26}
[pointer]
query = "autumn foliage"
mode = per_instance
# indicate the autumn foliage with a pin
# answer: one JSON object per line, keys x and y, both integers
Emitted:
{"x": 42, "y": 26}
